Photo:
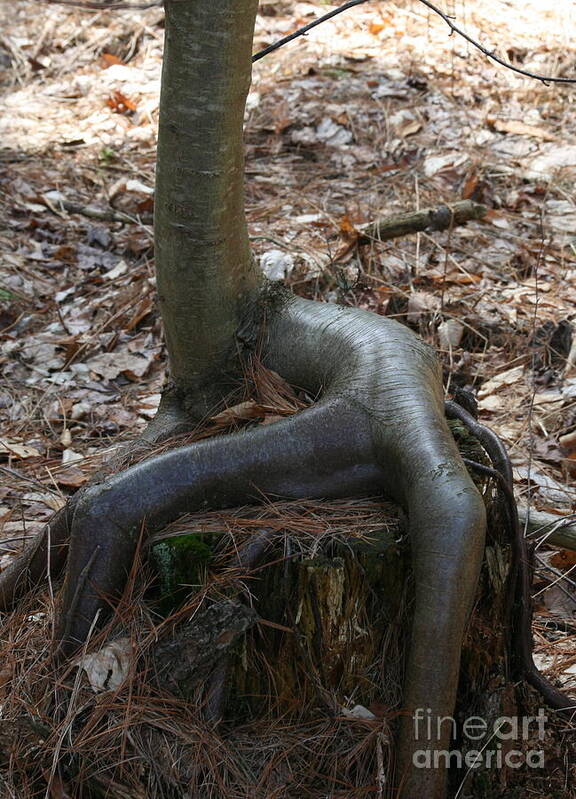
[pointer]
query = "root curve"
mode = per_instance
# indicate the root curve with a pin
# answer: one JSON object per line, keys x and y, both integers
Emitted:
{"x": 378, "y": 426}
{"x": 522, "y": 626}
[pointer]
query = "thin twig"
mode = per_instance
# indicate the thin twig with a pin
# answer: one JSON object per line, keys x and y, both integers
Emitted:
{"x": 303, "y": 31}
{"x": 557, "y": 573}
{"x": 447, "y": 19}
{"x": 560, "y": 576}
{"x": 20, "y": 476}
{"x": 104, "y": 214}
{"x": 547, "y": 528}
{"x": 490, "y": 53}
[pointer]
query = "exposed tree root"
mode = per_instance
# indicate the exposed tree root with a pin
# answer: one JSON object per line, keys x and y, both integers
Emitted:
{"x": 378, "y": 426}
{"x": 521, "y": 581}
{"x": 45, "y": 557}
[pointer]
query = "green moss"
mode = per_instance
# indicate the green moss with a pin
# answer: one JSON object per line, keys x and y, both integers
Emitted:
{"x": 181, "y": 563}
{"x": 468, "y": 444}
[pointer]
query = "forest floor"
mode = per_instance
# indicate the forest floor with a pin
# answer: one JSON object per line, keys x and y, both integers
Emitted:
{"x": 375, "y": 112}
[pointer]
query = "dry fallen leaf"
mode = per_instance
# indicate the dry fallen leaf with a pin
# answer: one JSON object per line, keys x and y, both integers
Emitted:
{"x": 276, "y": 264}
{"x": 111, "y": 364}
{"x": 450, "y": 333}
{"x": 120, "y": 104}
{"x": 433, "y": 164}
{"x": 520, "y": 128}
{"x": 563, "y": 559}
{"x": 409, "y": 128}
{"x": 557, "y": 602}
{"x": 553, "y": 159}
{"x": 568, "y": 449}
{"x": 348, "y": 230}
{"x": 108, "y": 60}
{"x": 107, "y": 669}
{"x": 19, "y": 451}
{"x": 376, "y": 28}
{"x": 506, "y": 378}
{"x": 241, "y": 412}
{"x": 72, "y": 477}
{"x": 421, "y": 303}
{"x": 491, "y": 403}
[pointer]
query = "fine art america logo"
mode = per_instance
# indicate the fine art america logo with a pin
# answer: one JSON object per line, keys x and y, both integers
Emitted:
{"x": 485, "y": 744}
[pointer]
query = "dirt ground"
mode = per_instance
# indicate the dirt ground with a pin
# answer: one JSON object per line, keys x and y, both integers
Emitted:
{"x": 375, "y": 112}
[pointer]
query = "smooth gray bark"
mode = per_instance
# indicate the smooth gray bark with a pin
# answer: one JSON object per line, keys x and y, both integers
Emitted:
{"x": 207, "y": 279}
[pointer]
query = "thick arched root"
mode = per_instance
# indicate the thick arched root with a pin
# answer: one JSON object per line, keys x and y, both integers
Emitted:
{"x": 378, "y": 426}
{"x": 309, "y": 455}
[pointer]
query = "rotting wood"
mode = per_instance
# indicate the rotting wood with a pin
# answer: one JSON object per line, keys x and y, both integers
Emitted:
{"x": 188, "y": 656}
{"x": 442, "y": 217}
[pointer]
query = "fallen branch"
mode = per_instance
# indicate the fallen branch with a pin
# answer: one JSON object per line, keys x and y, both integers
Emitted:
{"x": 103, "y": 214}
{"x": 442, "y": 217}
{"x": 104, "y": 6}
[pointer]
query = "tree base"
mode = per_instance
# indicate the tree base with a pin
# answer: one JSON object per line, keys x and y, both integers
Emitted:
{"x": 378, "y": 427}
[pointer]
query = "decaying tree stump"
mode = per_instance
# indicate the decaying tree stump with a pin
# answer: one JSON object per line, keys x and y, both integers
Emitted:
{"x": 327, "y": 623}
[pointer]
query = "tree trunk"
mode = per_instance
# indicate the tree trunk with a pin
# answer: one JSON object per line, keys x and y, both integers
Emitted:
{"x": 207, "y": 280}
